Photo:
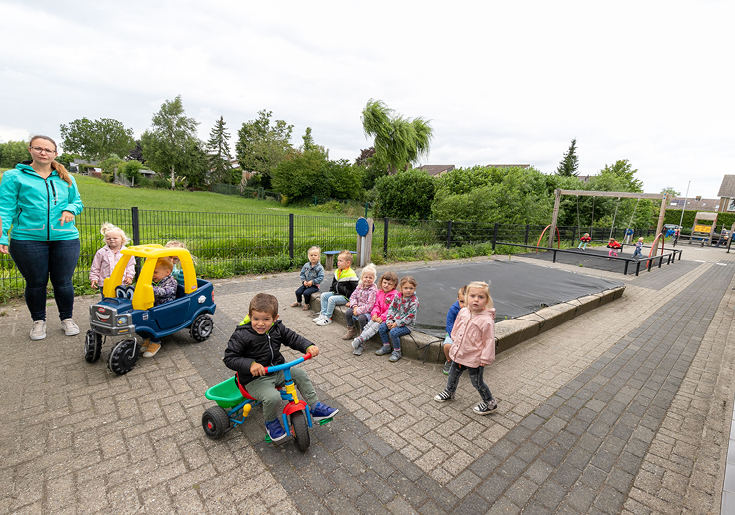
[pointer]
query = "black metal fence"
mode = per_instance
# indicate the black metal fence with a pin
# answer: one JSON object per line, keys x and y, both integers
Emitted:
{"x": 228, "y": 244}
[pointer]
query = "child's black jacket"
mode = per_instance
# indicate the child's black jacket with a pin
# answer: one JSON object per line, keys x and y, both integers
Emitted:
{"x": 246, "y": 346}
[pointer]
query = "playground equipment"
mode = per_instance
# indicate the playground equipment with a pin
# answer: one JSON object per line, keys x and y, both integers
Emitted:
{"x": 619, "y": 194}
{"x": 703, "y": 232}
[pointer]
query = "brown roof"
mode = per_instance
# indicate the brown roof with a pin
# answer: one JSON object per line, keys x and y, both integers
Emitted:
{"x": 727, "y": 188}
{"x": 507, "y": 166}
{"x": 437, "y": 169}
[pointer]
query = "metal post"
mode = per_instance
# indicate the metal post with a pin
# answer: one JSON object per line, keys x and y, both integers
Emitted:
{"x": 495, "y": 235}
{"x": 290, "y": 237}
{"x": 136, "y": 225}
{"x": 449, "y": 233}
{"x": 385, "y": 238}
{"x": 528, "y": 227}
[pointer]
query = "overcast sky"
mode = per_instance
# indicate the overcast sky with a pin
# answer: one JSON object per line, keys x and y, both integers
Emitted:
{"x": 500, "y": 82}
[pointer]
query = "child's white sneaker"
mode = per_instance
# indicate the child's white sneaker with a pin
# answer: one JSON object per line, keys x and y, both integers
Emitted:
{"x": 317, "y": 319}
{"x": 324, "y": 321}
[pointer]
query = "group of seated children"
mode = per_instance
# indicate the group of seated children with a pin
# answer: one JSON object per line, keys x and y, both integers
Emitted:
{"x": 166, "y": 275}
{"x": 377, "y": 309}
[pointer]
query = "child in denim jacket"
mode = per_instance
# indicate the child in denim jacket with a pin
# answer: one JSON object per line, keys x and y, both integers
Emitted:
{"x": 312, "y": 275}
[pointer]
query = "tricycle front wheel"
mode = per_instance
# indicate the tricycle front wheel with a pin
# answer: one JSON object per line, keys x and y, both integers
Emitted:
{"x": 215, "y": 422}
{"x": 300, "y": 428}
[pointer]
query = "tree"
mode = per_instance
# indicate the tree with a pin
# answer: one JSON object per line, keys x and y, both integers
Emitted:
{"x": 12, "y": 153}
{"x": 170, "y": 145}
{"x": 479, "y": 194}
{"x": 569, "y": 165}
{"x": 671, "y": 192}
{"x": 299, "y": 176}
{"x": 399, "y": 142}
{"x": 218, "y": 153}
{"x": 94, "y": 140}
{"x": 137, "y": 153}
{"x": 407, "y": 194}
{"x": 261, "y": 145}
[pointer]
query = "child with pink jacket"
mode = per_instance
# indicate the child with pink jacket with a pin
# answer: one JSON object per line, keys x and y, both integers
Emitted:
{"x": 474, "y": 346}
{"x": 384, "y": 297}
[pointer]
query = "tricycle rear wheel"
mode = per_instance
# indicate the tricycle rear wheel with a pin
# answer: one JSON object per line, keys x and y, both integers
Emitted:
{"x": 300, "y": 428}
{"x": 123, "y": 357}
{"x": 92, "y": 346}
{"x": 215, "y": 422}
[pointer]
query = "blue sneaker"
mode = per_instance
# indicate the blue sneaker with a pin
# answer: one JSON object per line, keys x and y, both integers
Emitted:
{"x": 321, "y": 411}
{"x": 385, "y": 349}
{"x": 275, "y": 430}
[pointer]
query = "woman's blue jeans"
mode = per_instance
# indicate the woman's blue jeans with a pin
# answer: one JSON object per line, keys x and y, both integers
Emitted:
{"x": 394, "y": 335}
{"x": 39, "y": 260}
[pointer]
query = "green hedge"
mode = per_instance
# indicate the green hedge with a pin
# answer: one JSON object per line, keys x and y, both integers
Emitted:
{"x": 673, "y": 216}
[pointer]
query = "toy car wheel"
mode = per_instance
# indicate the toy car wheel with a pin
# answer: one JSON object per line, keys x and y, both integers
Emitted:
{"x": 92, "y": 346}
{"x": 215, "y": 422}
{"x": 300, "y": 428}
{"x": 123, "y": 357}
{"x": 201, "y": 328}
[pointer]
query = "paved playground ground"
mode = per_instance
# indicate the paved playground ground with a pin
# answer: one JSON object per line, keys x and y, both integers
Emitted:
{"x": 625, "y": 409}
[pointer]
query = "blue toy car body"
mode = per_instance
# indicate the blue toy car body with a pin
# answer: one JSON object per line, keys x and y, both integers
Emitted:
{"x": 121, "y": 316}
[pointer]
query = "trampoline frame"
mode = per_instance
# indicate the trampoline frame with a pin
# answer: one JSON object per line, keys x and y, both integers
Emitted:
{"x": 669, "y": 255}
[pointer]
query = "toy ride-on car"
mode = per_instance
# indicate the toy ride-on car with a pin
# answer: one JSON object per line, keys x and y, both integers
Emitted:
{"x": 234, "y": 405}
{"x": 127, "y": 310}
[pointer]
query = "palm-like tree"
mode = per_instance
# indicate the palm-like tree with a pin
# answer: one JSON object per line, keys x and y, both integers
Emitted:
{"x": 399, "y": 141}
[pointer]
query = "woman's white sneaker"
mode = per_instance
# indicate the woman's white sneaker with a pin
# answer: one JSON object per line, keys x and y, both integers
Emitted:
{"x": 70, "y": 327}
{"x": 38, "y": 331}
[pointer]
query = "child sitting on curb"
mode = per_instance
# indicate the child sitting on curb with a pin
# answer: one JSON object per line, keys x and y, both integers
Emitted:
{"x": 400, "y": 320}
{"x": 361, "y": 301}
{"x": 383, "y": 299}
{"x": 343, "y": 284}
{"x": 451, "y": 317}
{"x": 312, "y": 275}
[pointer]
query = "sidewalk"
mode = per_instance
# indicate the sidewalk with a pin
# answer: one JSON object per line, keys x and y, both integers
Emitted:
{"x": 625, "y": 409}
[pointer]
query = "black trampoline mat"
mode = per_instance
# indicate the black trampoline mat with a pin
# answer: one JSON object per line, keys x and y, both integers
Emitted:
{"x": 517, "y": 289}
{"x": 591, "y": 258}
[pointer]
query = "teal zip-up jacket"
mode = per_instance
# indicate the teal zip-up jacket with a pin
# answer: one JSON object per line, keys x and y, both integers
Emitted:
{"x": 32, "y": 206}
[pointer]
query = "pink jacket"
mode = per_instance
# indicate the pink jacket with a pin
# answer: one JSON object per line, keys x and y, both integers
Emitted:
{"x": 474, "y": 338}
{"x": 382, "y": 303}
{"x": 104, "y": 262}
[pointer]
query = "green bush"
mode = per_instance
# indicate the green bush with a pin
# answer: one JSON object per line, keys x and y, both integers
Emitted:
{"x": 406, "y": 195}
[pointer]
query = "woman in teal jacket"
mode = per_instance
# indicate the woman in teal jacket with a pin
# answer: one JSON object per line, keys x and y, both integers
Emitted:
{"x": 38, "y": 203}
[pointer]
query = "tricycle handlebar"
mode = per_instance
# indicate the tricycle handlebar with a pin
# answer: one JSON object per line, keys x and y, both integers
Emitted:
{"x": 284, "y": 366}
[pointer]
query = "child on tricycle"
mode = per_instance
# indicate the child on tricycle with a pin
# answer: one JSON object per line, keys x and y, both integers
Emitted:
{"x": 254, "y": 346}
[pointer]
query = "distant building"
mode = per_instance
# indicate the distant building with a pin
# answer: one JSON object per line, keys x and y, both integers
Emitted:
{"x": 585, "y": 178}
{"x": 507, "y": 166}
{"x": 692, "y": 203}
{"x": 436, "y": 170}
{"x": 727, "y": 194}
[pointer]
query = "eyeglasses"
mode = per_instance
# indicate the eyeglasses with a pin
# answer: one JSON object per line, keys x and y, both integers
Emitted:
{"x": 41, "y": 149}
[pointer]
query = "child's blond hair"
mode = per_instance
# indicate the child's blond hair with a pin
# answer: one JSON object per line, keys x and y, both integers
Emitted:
{"x": 345, "y": 254}
{"x": 108, "y": 227}
{"x": 481, "y": 285}
{"x": 368, "y": 268}
{"x": 174, "y": 244}
{"x": 315, "y": 247}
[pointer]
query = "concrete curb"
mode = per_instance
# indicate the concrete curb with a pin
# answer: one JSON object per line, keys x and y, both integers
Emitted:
{"x": 508, "y": 333}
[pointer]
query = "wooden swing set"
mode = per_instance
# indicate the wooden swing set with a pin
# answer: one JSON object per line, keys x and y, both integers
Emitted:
{"x": 612, "y": 194}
